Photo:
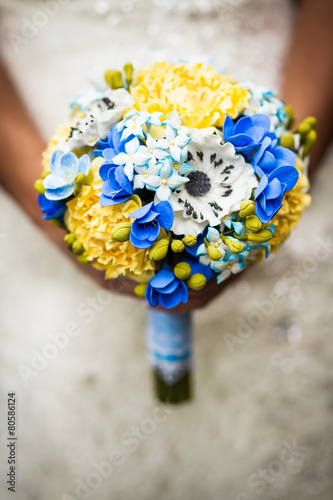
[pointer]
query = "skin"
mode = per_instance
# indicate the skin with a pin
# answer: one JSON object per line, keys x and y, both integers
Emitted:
{"x": 307, "y": 87}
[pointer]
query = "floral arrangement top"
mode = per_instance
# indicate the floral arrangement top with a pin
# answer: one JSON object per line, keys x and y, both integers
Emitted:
{"x": 175, "y": 175}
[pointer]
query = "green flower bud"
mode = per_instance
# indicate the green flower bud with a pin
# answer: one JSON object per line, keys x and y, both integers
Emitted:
{"x": 196, "y": 281}
{"x": 159, "y": 249}
{"x": 287, "y": 140}
{"x": 234, "y": 246}
{"x": 114, "y": 79}
{"x": 310, "y": 141}
{"x": 39, "y": 186}
{"x": 253, "y": 223}
{"x": 189, "y": 240}
{"x": 128, "y": 70}
{"x": 177, "y": 246}
{"x": 77, "y": 247}
{"x": 83, "y": 259}
{"x": 45, "y": 174}
{"x": 303, "y": 129}
{"x": 80, "y": 180}
{"x": 121, "y": 231}
{"x": 290, "y": 114}
{"x": 246, "y": 208}
{"x": 140, "y": 289}
{"x": 262, "y": 237}
{"x": 182, "y": 270}
{"x": 69, "y": 239}
{"x": 312, "y": 121}
{"x": 214, "y": 253}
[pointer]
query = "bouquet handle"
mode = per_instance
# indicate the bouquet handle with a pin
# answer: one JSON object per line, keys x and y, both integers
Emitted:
{"x": 169, "y": 345}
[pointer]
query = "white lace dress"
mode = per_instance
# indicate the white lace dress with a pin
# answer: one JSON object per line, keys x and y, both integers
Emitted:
{"x": 259, "y": 426}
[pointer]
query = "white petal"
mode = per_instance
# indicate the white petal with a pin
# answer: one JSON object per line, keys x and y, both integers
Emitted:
{"x": 163, "y": 193}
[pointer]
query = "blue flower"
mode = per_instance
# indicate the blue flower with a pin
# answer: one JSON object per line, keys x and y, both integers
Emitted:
{"x": 165, "y": 289}
{"x": 60, "y": 184}
{"x": 270, "y": 156}
{"x": 116, "y": 188}
{"x": 52, "y": 209}
{"x": 269, "y": 194}
{"x": 247, "y": 134}
{"x": 149, "y": 219}
{"x": 112, "y": 145}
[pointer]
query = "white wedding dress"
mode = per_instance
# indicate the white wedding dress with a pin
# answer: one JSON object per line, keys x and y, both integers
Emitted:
{"x": 259, "y": 426}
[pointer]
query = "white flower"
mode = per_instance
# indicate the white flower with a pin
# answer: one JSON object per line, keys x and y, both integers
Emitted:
{"x": 220, "y": 181}
{"x": 99, "y": 118}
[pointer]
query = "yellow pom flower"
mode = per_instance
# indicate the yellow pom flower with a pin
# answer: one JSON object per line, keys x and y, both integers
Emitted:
{"x": 201, "y": 96}
{"x": 92, "y": 226}
{"x": 294, "y": 202}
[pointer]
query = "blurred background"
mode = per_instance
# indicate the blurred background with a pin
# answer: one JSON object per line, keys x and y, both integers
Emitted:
{"x": 260, "y": 425}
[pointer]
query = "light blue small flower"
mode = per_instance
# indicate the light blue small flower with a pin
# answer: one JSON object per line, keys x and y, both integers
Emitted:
{"x": 177, "y": 144}
{"x": 153, "y": 151}
{"x": 230, "y": 223}
{"x": 132, "y": 125}
{"x": 167, "y": 180}
{"x": 233, "y": 264}
{"x": 132, "y": 156}
{"x": 60, "y": 184}
{"x": 175, "y": 123}
{"x": 183, "y": 168}
{"x": 146, "y": 175}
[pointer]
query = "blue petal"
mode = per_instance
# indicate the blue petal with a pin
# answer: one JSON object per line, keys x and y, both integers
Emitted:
{"x": 123, "y": 179}
{"x": 104, "y": 170}
{"x": 84, "y": 164}
{"x": 273, "y": 190}
{"x": 53, "y": 181}
{"x": 149, "y": 217}
{"x": 166, "y": 216}
{"x": 60, "y": 193}
{"x": 139, "y": 243}
{"x": 171, "y": 300}
{"x": 287, "y": 175}
{"x": 55, "y": 162}
{"x": 151, "y": 296}
{"x": 141, "y": 212}
{"x": 163, "y": 278}
{"x": 228, "y": 127}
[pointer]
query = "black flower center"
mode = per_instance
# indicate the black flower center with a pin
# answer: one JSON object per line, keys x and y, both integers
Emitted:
{"x": 199, "y": 183}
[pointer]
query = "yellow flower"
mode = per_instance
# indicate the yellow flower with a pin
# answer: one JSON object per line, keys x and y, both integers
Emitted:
{"x": 61, "y": 135}
{"x": 201, "y": 96}
{"x": 294, "y": 202}
{"x": 92, "y": 225}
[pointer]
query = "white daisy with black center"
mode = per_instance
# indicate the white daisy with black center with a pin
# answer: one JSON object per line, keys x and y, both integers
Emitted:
{"x": 219, "y": 182}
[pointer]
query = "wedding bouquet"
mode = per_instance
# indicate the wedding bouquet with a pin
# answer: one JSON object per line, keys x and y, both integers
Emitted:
{"x": 174, "y": 175}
